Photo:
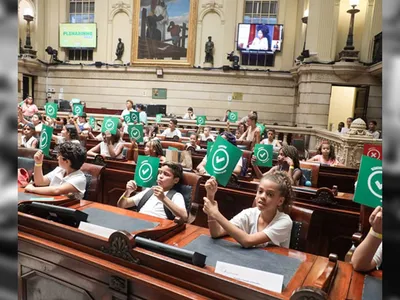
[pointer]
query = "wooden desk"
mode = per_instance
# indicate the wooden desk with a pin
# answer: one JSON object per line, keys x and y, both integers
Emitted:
{"x": 57, "y": 199}
{"x": 60, "y": 260}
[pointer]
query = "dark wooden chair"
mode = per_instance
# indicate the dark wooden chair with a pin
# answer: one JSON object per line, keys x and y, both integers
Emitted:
{"x": 192, "y": 180}
{"x": 314, "y": 167}
{"x": 94, "y": 181}
{"x": 301, "y": 218}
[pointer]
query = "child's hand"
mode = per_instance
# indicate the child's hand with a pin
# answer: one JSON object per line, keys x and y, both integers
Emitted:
{"x": 131, "y": 186}
{"x": 30, "y": 188}
{"x": 211, "y": 187}
{"x": 38, "y": 157}
{"x": 107, "y": 137}
{"x": 289, "y": 161}
{"x": 210, "y": 208}
{"x": 375, "y": 219}
{"x": 158, "y": 192}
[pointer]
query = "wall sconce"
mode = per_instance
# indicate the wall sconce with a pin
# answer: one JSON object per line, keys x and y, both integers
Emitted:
{"x": 28, "y": 17}
{"x": 159, "y": 72}
{"x": 348, "y": 53}
{"x": 305, "y": 53}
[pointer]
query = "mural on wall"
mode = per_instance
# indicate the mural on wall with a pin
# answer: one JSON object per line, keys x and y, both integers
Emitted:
{"x": 165, "y": 32}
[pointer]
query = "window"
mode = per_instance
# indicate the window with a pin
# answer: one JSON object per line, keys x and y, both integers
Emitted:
{"x": 81, "y": 11}
{"x": 261, "y": 11}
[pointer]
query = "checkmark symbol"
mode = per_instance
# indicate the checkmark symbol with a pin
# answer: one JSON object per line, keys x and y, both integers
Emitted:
{"x": 144, "y": 172}
{"x": 378, "y": 184}
{"x": 262, "y": 155}
{"x": 219, "y": 159}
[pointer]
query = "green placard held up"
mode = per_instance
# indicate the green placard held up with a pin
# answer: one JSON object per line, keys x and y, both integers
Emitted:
{"x": 78, "y": 110}
{"x": 45, "y": 139}
{"x": 110, "y": 124}
{"x": 136, "y": 132}
{"x": 146, "y": 171}
{"x": 51, "y": 110}
{"x": 209, "y": 147}
{"x": 127, "y": 118}
{"x": 158, "y": 118}
{"x": 233, "y": 116}
{"x": 134, "y": 116}
{"x": 263, "y": 154}
{"x": 369, "y": 183}
{"x": 201, "y": 120}
{"x": 92, "y": 122}
{"x": 261, "y": 126}
{"x": 222, "y": 160}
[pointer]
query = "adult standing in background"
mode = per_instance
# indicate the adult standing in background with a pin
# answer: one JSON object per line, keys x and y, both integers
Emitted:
{"x": 372, "y": 129}
{"x": 226, "y": 117}
{"x": 346, "y": 129}
{"x": 29, "y": 108}
{"x": 142, "y": 114}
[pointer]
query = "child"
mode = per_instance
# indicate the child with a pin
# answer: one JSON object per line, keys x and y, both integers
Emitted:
{"x": 172, "y": 130}
{"x": 82, "y": 126}
{"x": 66, "y": 178}
{"x": 28, "y": 140}
{"x": 169, "y": 175}
{"x": 111, "y": 146}
{"x": 154, "y": 148}
{"x": 267, "y": 223}
{"x": 253, "y": 132}
{"x": 206, "y": 135}
{"x": 288, "y": 161}
{"x": 326, "y": 155}
{"x": 192, "y": 143}
{"x": 68, "y": 133}
{"x": 270, "y": 140}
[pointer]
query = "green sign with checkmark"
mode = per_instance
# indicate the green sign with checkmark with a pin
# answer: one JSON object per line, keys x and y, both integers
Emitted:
{"x": 134, "y": 116}
{"x": 263, "y": 154}
{"x": 77, "y": 110}
{"x": 369, "y": 183}
{"x": 158, "y": 118}
{"x": 127, "y": 118}
{"x": 51, "y": 110}
{"x": 92, "y": 122}
{"x": 146, "y": 171}
{"x": 136, "y": 132}
{"x": 201, "y": 120}
{"x": 233, "y": 116}
{"x": 209, "y": 147}
{"x": 261, "y": 126}
{"x": 222, "y": 160}
{"x": 110, "y": 124}
{"x": 45, "y": 139}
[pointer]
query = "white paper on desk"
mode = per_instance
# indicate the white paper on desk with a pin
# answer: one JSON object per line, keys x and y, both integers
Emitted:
{"x": 96, "y": 229}
{"x": 266, "y": 280}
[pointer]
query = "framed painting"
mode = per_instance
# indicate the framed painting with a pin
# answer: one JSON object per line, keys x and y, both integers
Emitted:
{"x": 163, "y": 32}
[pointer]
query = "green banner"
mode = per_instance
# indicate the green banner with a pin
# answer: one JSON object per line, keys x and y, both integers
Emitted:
{"x": 51, "y": 110}
{"x": 92, "y": 122}
{"x": 78, "y": 110}
{"x": 233, "y": 117}
{"x": 127, "y": 118}
{"x": 263, "y": 154}
{"x": 136, "y": 132}
{"x": 146, "y": 171}
{"x": 222, "y": 160}
{"x": 134, "y": 116}
{"x": 201, "y": 120}
{"x": 110, "y": 124}
{"x": 261, "y": 126}
{"x": 45, "y": 139}
{"x": 369, "y": 183}
{"x": 158, "y": 118}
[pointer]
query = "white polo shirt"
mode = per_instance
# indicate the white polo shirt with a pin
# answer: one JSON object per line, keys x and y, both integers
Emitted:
{"x": 77, "y": 179}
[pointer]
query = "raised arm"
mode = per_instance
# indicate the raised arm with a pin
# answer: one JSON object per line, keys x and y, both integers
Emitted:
{"x": 38, "y": 178}
{"x": 125, "y": 201}
{"x": 177, "y": 210}
{"x": 94, "y": 151}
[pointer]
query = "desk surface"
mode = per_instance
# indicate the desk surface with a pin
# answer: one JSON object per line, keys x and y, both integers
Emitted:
{"x": 56, "y": 198}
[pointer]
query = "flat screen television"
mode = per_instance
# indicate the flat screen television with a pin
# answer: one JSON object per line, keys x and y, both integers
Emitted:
{"x": 78, "y": 35}
{"x": 259, "y": 37}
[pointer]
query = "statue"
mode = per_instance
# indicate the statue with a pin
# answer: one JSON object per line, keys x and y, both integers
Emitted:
{"x": 209, "y": 52}
{"x": 120, "y": 50}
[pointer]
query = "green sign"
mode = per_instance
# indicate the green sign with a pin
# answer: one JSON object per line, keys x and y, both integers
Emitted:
{"x": 22, "y": 102}
{"x": 146, "y": 171}
{"x": 172, "y": 148}
{"x": 261, "y": 126}
{"x": 233, "y": 117}
{"x": 369, "y": 183}
{"x": 51, "y": 110}
{"x": 134, "y": 116}
{"x": 127, "y": 118}
{"x": 209, "y": 148}
{"x": 45, "y": 139}
{"x": 201, "y": 120}
{"x": 158, "y": 118}
{"x": 78, "y": 110}
{"x": 263, "y": 154}
{"x": 110, "y": 124}
{"x": 222, "y": 160}
{"x": 92, "y": 122}
{"x": 136, "y": 132}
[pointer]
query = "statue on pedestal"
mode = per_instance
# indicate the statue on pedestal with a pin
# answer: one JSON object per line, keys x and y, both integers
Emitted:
{"x": 209, "y": 59}
{"x": 120, "y": 50}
